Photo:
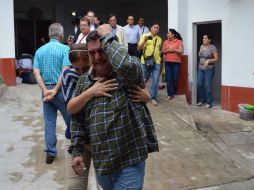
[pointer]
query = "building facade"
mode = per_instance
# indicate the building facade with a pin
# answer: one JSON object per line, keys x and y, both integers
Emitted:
{"x": 229, "y": 21}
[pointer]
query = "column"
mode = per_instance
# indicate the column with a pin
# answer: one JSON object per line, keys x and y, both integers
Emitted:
{"x": 7, "y": 43}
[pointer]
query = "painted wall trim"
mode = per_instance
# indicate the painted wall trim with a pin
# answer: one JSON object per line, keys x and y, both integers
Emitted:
{"x": 231, "y": 96}
{"x": 8, "y": 70}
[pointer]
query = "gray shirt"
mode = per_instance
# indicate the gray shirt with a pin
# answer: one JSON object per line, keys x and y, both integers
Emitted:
{"x": 204, "y": 54}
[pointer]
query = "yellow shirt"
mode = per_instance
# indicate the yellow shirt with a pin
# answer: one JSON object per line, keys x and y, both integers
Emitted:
{"x": 149, "y": 46}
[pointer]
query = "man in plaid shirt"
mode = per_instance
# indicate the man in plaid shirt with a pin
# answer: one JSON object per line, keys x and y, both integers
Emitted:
{"x": 121, "y": 132}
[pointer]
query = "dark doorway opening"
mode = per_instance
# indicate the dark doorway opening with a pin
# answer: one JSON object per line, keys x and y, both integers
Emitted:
{"x": 33, "y": 17}
{"x": 214, "y": 29}
{"x": 30, "y": 35}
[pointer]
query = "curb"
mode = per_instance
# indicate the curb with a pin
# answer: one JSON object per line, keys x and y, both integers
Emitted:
{"x": 2, "y": 89}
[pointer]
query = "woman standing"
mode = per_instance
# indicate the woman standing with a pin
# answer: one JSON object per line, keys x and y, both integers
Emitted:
{"x": 172, "y": 49}
{"x": 208, "y": 56}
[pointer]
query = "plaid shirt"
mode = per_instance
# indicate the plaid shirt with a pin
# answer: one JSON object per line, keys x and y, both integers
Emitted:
{"x": 50, "y": 59}
{"x": 120, "y": 132}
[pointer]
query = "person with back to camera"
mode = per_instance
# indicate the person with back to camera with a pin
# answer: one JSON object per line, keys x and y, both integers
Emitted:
{"x": 172, "y": 49}
{"x": 208, "y": 57}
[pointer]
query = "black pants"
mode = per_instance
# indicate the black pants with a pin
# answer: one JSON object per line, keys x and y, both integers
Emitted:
{"x": 132, "y": 50}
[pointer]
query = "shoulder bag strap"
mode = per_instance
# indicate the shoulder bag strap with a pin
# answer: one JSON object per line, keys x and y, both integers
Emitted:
{"x": 154, "y": 45}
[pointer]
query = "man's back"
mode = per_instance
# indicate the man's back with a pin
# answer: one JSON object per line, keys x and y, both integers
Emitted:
{"x": 50, "y": 59}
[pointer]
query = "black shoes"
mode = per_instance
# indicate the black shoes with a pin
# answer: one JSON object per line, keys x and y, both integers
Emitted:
{"x": 50, "y": 159}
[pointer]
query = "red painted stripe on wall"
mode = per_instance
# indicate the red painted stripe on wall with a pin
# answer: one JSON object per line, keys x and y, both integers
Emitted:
{"x": 183, "y": 79}
{"x": 8, "y": 70}
{"x": 231, "y": 96}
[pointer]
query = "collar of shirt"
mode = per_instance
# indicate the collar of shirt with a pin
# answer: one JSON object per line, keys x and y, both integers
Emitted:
{"x": 133, "y": 26}
{"x": 53, "y": 40}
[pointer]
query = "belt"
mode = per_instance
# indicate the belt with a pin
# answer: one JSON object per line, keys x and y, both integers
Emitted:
{"x": 50, "y": 84}
{"x": 132, "y": 44}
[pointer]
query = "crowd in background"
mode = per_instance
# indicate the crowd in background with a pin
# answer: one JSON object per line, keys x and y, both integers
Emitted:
{"x": 101, "y": 82}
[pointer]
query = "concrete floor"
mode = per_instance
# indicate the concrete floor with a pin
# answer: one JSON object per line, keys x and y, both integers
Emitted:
{"x": 219, "y": 155}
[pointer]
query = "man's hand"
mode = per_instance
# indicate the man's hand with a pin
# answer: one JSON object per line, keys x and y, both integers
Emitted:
{"x": 139, "y": 95}
{"x": 101, "y": 88}
{"x": 70, "y": 40}
{"x": 49, "y": 95}
{"x": 104, "y": 29}
{"x": 78, "y": 165}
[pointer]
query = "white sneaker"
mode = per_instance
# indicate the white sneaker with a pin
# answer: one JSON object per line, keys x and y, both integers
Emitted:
{"x": 200, "y": 104}
{"x": 208, "y": 106}
{"x": 154, "y": 102}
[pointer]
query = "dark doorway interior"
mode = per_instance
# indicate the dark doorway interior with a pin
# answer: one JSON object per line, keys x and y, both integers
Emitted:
{"x": 214, "y": 29}
{"x": 29, "y": 34}
{"x": 33, "y": 17}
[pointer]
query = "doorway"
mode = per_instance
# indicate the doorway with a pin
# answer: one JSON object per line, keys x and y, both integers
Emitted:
{"x": 214, "y": 29}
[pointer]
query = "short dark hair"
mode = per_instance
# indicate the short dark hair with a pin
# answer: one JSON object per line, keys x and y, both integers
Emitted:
{"x": 92, "y": 36}
{"x": 90, "y": 11}
{"x": 85, "y": 20}
{"x": 209, "y": 36}
{"x": 111, "y": 15}
{"x": 130, "y": 15}
{"x": 77, "y": 52}
{"x": 154, "y": 23}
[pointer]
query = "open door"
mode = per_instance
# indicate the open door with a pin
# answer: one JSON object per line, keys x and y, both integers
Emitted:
{"x": 214, "y": 29}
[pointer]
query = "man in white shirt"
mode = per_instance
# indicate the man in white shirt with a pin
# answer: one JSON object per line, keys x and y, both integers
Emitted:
{"x": 117, "y": 30}
{"x": 141, "y": 26}
{"x": 132, "y": 35}
{"x": 24, "y": 68}
{"x": 85, "y": 29}
{"x": 90, "y": 15}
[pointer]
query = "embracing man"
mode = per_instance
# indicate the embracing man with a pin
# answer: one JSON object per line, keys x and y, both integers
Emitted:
{"x": 121, "y": 132}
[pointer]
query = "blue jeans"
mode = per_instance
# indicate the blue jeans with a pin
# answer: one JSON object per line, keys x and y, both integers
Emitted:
{"x": 131, "y": 178}
{"x": 172, "y": 72}
{"x": 154, "y": 73}
{"x": 50, "y": 115}
{"x": 205, "y": 94}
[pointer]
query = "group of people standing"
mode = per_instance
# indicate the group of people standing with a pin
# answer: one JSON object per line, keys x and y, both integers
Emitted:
{"x": 102, "y": 88}
{"x": 98, "y": 83}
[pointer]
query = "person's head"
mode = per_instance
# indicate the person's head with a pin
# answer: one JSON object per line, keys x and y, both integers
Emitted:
{"x": 84, "y": 25}
{"x": 56, "y": 31}
{"x": 98, "y": 58}
{"x": 130, "y": 20}
{"x": 97, "y": 20}
{"x": 207, "y": 39}
{"x": 141, "y": 21}
{"x": 78, "y": 56}
{"x": 154, "y": 28}
{"x": 173, "y": 34}
{"x": 90, "y": 15}
{"x": 112, "y": 20}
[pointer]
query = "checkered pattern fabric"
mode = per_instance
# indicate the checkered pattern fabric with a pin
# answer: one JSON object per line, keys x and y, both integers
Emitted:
{"x": 120, "y": 132}
{"x": 50, "y": 59}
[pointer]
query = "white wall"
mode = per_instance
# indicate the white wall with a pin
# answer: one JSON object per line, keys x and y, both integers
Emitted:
{"x": 7, "y": 45}
{"x": 237, "y": 34}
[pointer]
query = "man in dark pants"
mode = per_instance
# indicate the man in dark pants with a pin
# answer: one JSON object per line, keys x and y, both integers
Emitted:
{"x": 132, "y": 35}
